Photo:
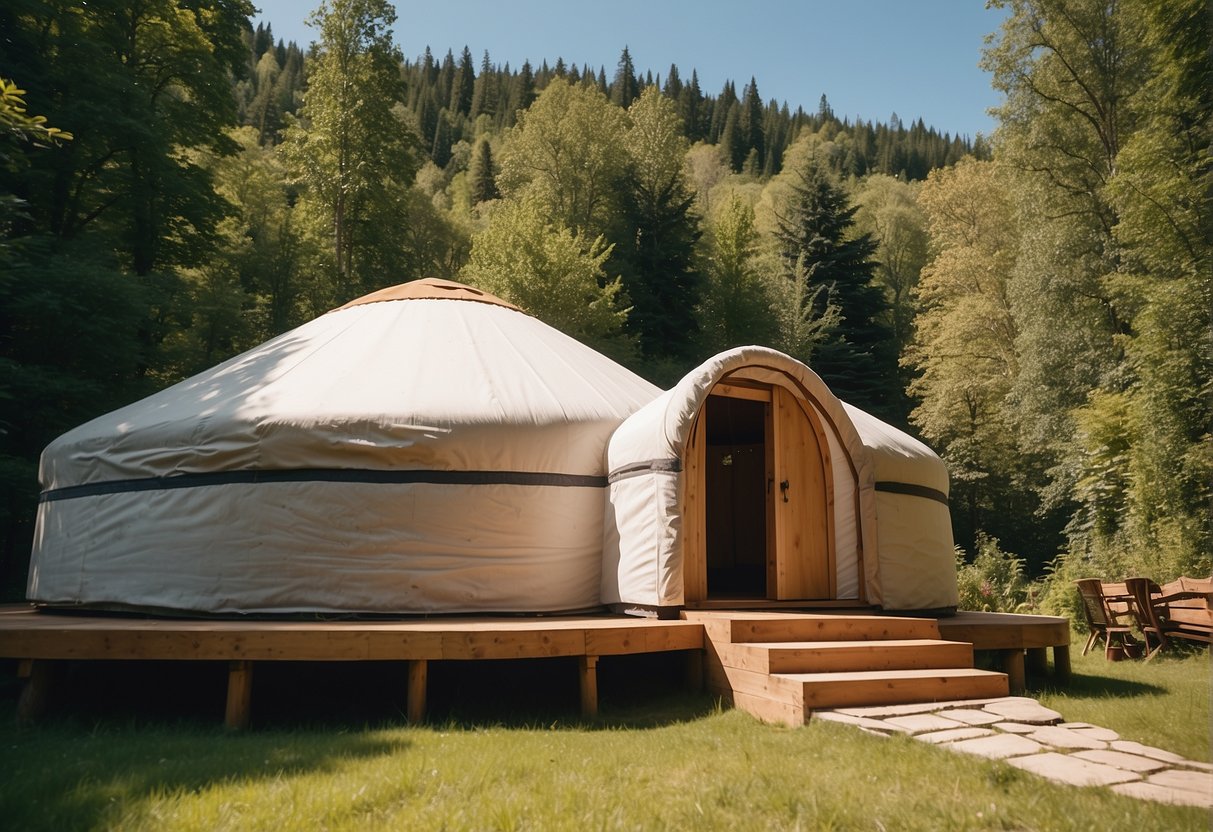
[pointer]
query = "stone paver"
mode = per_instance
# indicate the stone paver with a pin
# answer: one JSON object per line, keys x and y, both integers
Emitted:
{"x": 859, "y": 721}
{"x": 1130, "y": 747}
{"x": 883, "y": 711}
{"x": 978, "y": 703}
{"x": 1031, "y": 712}
{"x": 1022, "y": 732}
{"x": 1119, "y": 759}
{"x": 998, "y": 746}
{"x": 1192, "y": 781}
{"x": 1163, "y": 794}
{"x": 920, "y": 723}
{"x": 954, "y": 734}
{"x": 1092, "y": 731}
{"x": 971, "y": 716}
{"x": 1065, "y": 768}
{"x": 1059, "y": 737}
{"x": 1015, "y": 727}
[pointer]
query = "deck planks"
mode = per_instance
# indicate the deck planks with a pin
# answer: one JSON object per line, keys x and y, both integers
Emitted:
{"x": 39, "y": 639}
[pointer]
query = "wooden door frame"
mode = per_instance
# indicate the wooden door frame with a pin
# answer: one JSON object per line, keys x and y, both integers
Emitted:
{"x": 694, "y": 517}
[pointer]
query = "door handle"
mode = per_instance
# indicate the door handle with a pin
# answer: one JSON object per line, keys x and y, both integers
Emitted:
{"x": 783, "y": 487}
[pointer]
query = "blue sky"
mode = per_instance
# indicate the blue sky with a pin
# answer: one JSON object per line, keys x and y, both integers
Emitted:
{"x": 871, "y": 58}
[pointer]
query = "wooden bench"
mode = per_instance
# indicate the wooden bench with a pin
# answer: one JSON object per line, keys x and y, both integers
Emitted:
{"x": 1186, "y": 609}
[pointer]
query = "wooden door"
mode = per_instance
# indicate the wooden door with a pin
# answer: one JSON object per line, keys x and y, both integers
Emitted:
{"x": 801, "y": 562}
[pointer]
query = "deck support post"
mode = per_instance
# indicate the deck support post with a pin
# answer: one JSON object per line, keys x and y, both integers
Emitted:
{"x": 1012, "y": 665}
{"x": 31, "y": 705}
{"x": 1061, "y": 663}
{"x": 418, "y": 673}
{"x": 588, "y": 666}
{"x": 239, "y": 695}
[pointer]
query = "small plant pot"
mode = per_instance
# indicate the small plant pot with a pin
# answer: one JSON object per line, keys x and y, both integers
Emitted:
{"x": 1116, "y": 654}
{"x": 1133, "y": 651}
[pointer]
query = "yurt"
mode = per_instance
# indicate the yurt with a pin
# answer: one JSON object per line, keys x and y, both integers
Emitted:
{"x": 749, "y": 481}
{"x": 427, "y": 448}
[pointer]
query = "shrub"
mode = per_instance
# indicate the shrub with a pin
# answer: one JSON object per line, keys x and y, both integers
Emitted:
{"x": 994, "y": 581}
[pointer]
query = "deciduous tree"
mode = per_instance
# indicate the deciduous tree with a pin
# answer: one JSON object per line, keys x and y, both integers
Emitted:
{"x": 352, "y": 151}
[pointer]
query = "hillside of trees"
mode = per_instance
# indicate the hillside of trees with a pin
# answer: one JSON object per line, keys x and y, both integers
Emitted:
{"x": 176, "y": 187}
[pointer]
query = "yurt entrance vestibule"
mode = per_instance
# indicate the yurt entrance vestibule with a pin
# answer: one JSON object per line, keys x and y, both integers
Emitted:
{"x": 758, "y": 495}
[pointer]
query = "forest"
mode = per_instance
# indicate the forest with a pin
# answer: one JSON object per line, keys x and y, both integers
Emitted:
{"x": 177, "y": 186}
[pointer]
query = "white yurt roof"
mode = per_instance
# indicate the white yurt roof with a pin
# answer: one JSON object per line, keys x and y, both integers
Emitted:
{"x": 425, "y": 448}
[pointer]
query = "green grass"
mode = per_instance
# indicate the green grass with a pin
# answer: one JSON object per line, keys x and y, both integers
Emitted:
{"x": 1163, "y": 702}
{"x": 663, "y": 760}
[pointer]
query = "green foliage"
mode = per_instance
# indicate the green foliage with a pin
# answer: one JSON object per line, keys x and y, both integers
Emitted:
{"x": 965, "y": 359}
{"x": 90, "y": 282}
{"x": 1055, "y": 592}
{"x": 657, "y": 233}
{"x": 763, "y": 132}
{"x": 351, "y": 150}
{"x": 484, "y": 182}
{"x": 550, "y": 272}
{"x": 993, "y": 581}
{"x": 814, "y": 235}
{"x": 888, "y": 211}
{"x": 1104, "y": 130}
{"x": 735, "y": 309}
{"x": 567, "y": 152}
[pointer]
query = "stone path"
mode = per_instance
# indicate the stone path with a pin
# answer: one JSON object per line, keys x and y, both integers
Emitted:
{"x": 1023, "y": 733}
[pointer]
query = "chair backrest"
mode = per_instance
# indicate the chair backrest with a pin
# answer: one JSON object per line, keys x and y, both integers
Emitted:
{"x": 1091, "y": 592}
{"x": 1141, "y": 591}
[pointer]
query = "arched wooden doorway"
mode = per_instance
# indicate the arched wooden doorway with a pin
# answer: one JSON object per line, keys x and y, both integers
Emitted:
{"x": 759, "y": 502}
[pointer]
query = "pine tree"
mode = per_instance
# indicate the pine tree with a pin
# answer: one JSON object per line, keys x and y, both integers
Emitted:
{"x": 751, "y": 127}
{"x": 813, "y": 231}
{"x": 484, "y": 182}
{"x": 690, "y": 108}
{"x": 673, "y": 83}
{"x": 657, "y": 253}
{"x": 625, "y": 88}
{"x": 484, "y": 94}
{"x": 731, "y": 138}
{"x": 525, "y": 87}
{"x": 463, "y": 86}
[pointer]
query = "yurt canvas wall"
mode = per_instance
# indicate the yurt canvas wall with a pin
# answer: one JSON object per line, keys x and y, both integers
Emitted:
{"x": 425, "y": 449}
{"x": 750, "y": 480}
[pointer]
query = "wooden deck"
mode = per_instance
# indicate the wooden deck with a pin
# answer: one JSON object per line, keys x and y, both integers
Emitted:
{"x": 38, "y": 639}
{"x": 1015, "y": 637}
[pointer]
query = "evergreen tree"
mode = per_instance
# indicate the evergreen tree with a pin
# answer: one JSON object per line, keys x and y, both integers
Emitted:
{"x": 656, "y": 254}
{"x": 732, "y": 139}
{"x": 813, "y": 230}
{"x": 721, "y": 108}
{"x": 752, "y": 136}
{"x": 524, "y": 90}
{"x": 673, "y": 84}
{"x": 484, "y": 182}
{"x": 484, "y": 95}
{"x": 463, "y": 86}
{"x": 446, "y": 79}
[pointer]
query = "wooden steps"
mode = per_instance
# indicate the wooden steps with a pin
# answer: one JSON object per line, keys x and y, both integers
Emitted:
{"x": 781, "y": 666}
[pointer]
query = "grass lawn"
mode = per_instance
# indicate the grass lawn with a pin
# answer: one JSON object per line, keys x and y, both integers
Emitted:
{"x": 656, "y": 759}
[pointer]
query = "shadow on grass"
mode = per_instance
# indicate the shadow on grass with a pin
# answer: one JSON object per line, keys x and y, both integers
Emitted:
{"x": 70, "y": 774}
{"x": 1094, "y": 687}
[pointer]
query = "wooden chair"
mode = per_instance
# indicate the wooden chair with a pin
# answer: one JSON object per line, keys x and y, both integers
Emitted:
{"x": 1151, "y": 614}
{"x": 1103, "y": 621}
